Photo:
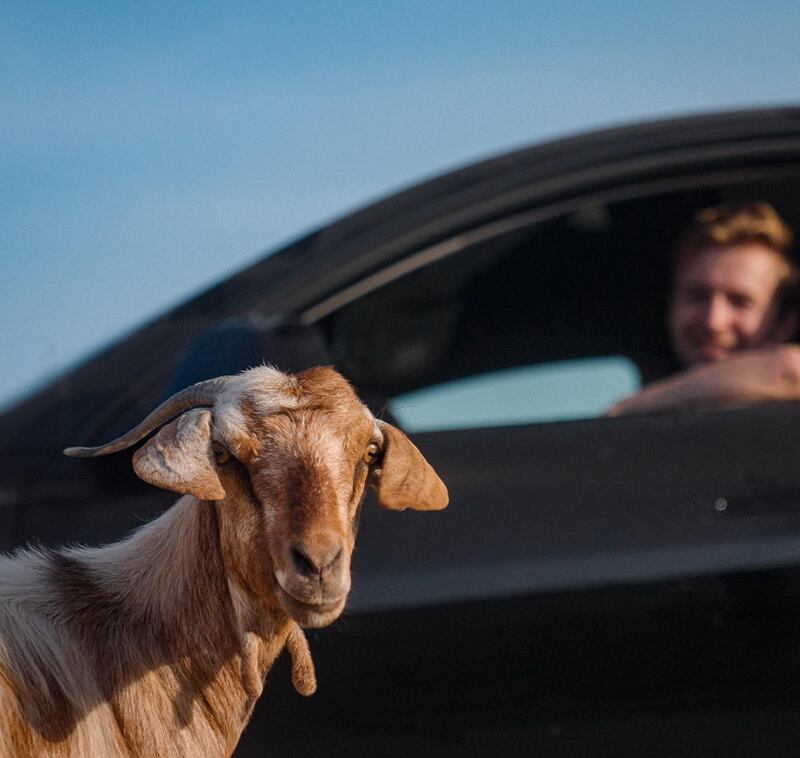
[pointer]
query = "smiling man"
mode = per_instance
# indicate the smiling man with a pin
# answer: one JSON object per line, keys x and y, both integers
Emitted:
{"x": 732, "y": 311}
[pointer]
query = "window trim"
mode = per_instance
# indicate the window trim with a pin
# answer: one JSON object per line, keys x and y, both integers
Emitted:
{"x": 533, "y": 216}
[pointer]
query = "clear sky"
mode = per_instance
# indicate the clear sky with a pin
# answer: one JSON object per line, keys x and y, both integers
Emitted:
{"x": 148, "y": 149}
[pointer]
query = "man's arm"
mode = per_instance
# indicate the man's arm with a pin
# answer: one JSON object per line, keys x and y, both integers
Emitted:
{"x": 763, "y": 375}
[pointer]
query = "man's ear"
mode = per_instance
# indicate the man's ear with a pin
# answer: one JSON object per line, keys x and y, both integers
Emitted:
{"x": 179, "y": 457}
{"x": 405, "y": 479}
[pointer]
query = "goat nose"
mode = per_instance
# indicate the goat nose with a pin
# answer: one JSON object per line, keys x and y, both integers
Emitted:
{"x": 315, "y": 561}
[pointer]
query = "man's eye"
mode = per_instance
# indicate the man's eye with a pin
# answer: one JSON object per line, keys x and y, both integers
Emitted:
{"x": 371, "y": 454}
{"x": 740, "y": 301}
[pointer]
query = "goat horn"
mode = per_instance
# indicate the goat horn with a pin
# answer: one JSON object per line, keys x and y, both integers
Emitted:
{"x": 196, "y": 396}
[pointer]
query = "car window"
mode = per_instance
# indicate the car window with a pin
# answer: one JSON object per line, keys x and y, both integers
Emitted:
{"x": 581, "y": 388}
{"x": 552, "y": 322}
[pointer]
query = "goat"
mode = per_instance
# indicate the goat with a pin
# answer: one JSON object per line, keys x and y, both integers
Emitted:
{"x": 159, "y": 645}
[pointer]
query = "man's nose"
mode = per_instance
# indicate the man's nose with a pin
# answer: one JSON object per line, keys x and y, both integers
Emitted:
{"x": 717, "y": 314}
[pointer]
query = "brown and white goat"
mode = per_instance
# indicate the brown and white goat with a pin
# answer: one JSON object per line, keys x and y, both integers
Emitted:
{"x": 159, "y": 645}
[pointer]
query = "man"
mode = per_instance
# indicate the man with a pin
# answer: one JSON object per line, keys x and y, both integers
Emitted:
{"x": 731, "y": 311}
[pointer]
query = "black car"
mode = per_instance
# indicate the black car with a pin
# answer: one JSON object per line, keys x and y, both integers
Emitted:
{"x": 598, "y": 586}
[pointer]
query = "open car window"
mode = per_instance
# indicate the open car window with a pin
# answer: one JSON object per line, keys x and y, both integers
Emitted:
{"x": 553, "y": 322}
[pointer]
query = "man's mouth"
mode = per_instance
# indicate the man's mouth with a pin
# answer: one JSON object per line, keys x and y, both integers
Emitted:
{"x": 710, "y": 347}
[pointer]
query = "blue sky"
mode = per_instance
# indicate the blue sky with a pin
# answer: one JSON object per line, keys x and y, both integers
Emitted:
{"x": 148, "y": 149}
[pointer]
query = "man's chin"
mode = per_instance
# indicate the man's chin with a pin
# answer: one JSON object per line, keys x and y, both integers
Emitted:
{"x": 711, "y": 354}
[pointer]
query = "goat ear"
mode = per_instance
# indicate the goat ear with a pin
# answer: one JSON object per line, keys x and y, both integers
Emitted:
{"x": 405, "y": 479}
{"x": 179, "y": 457}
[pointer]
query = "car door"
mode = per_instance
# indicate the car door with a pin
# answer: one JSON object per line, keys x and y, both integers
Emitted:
{"x": 501, "y": 364}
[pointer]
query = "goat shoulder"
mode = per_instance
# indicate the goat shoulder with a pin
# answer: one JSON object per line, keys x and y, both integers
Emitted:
{"x": 101, "y": 652}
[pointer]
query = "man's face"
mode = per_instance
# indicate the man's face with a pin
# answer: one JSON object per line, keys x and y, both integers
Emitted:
{"x": 725, "y": 300}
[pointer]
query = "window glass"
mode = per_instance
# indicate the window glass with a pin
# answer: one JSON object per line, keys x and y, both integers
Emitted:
{"x": 581, "y": 388}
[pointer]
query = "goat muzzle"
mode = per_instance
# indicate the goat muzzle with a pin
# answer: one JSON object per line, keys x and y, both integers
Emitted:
{"x": 313, "y": 579}
{"x": 310, "y": 615}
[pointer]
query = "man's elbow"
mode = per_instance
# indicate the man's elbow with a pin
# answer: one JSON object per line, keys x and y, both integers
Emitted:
{"x": 788, "y": 370}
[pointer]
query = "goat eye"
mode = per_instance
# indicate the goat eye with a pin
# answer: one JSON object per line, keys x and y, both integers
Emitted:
{"x": 372, "y": 453}
{"x": 221, "y": 454}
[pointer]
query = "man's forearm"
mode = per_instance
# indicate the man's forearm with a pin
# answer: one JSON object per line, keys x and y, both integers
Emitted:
{"x": 770, "y": 374}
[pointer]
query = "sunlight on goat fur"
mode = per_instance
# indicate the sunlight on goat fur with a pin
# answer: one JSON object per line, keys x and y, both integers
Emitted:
{"x": 160, "y": 644}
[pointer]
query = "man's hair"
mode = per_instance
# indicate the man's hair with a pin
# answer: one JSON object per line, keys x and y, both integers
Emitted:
{"x": 724, "y": 225}
{"x": 736, "y": 224}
